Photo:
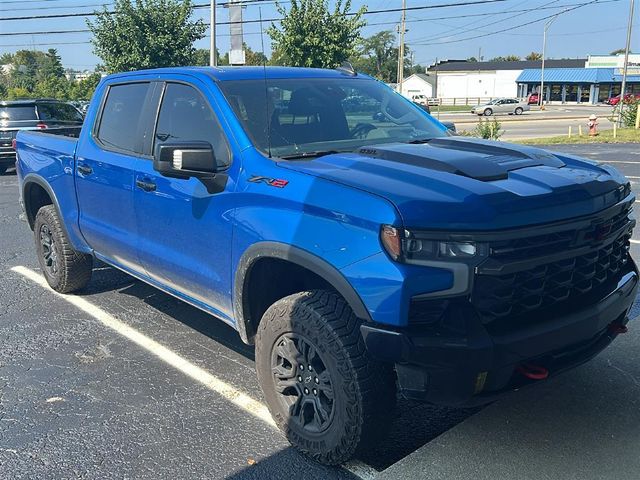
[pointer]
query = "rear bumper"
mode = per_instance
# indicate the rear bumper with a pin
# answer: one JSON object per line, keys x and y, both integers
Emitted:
{"x": 469, "y": 365}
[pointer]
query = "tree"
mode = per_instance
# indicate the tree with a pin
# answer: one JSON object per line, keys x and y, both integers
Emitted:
{"x": 377, "y": 56}
{"x": 51, "y": 65}
{"x": 472, "y": 59}
{"x": 508, "y": 58}
{"x": 254, "y": 58}
{"x": 147, "y": 34}
{"x": 201, "y": 57}
{"x": 534, "y": 56}
{"x": 310, "y": 35}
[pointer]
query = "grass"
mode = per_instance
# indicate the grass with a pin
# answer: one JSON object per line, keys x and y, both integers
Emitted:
{"x": 625, "y": 135}
{"x": 451, "y": 108}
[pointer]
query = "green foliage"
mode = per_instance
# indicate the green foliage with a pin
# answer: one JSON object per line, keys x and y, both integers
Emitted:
{"x": 311, "y": 35}
{"x": 628, "y": 109}
{"x": 377, "y": 56}
{"x": 472, "y": 59}
{"x": 35, "y": 74}
{"x": 488, "y": 129}
{"x": 508, "y": 58}
{"x": 534, "y": 56}
{"x": 146, "y": 34}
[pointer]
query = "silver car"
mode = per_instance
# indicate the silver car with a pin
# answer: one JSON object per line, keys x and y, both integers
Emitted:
{"x": 502, "y": 105}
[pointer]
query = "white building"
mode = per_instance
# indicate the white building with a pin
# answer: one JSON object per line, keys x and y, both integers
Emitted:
{"x": 471, "y": 82}
{"x": 418, "y": 84}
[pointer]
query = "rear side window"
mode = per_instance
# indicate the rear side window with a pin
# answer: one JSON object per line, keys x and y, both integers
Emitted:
{"x": 121, "y": 117}
{"x": 186, "y": 116}
{"x": 17, "y": 113}
{"x": 60, "y": 112}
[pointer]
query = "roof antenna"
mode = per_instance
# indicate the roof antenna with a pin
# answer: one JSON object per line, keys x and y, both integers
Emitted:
{"x": 347, "y": 68}
{"x": 266, "y": 86}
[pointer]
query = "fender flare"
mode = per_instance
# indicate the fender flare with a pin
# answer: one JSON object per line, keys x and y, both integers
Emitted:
{"x": 41, "y": 182}
{"x": 299, "y": 257}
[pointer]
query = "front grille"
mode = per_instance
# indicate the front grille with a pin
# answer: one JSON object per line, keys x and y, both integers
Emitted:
{"x": 525, "y": 291}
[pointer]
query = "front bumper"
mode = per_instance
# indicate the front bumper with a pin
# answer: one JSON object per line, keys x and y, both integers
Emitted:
{"x": 466, "y": 364}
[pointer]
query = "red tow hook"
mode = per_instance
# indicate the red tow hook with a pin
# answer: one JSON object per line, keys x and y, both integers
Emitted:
{"x": 534, "y": 372}
{"x": 618, "y": 328}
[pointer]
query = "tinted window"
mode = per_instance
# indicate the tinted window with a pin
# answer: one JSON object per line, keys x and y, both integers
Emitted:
{"x": 185, "y": 116}
{"x": 61, "y": 112}
{"x": 309, "y": 114}
{"x": 121, "y": 116}
{"x": 18, "y": 113}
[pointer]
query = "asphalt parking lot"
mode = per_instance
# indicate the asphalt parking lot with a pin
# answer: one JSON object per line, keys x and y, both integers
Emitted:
{"x": 123, "y": 381}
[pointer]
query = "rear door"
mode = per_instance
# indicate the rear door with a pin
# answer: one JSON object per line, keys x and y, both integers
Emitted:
{"x": 184, "y": 232}
{"x": 105, "y": 167}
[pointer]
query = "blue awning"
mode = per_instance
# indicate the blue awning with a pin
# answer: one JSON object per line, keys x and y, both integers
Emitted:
{"x": 574, "y": 75}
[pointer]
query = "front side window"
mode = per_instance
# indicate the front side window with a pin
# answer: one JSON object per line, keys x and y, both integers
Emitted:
{"x": 185, "y": 116}
{"x": 292, "y": 117}
{"x": 121, "y": 117}
{"x": 60, "y": 112}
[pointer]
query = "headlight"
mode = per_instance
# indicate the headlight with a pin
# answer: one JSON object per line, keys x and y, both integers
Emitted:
{"x": 403, "y": 245}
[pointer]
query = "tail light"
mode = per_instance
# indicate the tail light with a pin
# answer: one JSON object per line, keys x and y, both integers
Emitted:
{"x": 41, "y": 126}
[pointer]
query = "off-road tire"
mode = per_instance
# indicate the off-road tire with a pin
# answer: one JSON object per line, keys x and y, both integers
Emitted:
{"x": 72, "y": 269}
{"x": 487, "y": 112}
{"x": 364, "y": 389}
{"x": 518, "y": 111}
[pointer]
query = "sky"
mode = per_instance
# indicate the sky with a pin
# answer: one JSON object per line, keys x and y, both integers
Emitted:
{"x": 455, "y": 32}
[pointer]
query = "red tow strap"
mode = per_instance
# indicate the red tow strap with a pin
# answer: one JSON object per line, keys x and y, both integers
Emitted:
{"x": 534, "y": 372}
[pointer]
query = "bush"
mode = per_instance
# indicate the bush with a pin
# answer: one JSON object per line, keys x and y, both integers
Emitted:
{"x": 628, "y": 110}
{"x": 488, "y": 129}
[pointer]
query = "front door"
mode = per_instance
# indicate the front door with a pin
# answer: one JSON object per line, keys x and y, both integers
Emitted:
{"x": 184, "y": 232}
{"x": 105, "y": 170}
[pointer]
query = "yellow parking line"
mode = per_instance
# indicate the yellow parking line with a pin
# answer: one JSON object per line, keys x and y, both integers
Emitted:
{"x": 228, "y": 392}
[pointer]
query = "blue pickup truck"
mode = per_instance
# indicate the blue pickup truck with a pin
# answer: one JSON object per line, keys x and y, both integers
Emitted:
{"x": 361, "y": 247}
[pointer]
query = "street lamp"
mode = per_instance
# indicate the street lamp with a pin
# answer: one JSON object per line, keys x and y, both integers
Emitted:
{"x": 541, "y": 94}
{"x": 623, "y": 87}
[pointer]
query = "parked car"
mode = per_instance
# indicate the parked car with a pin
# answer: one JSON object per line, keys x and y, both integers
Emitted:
{"x": 502, "y": 105}
{"x": 628, "y": 96}
{"x": 420, "y": 99}
{"x": 358, "y": 258}
{"x": 43, "y": 114}
{"x": 534, "y": 99}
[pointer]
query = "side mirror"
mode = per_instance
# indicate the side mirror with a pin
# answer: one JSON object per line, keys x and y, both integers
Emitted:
{"x": 185, "y": 160}
{"x": 190, "y": 160}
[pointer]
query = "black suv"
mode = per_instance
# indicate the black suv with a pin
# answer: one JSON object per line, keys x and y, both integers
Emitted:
{"x": 51, "y": 116}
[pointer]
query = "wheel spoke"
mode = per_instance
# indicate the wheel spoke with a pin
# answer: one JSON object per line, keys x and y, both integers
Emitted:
{"x": 321, "y": 415}
{"x": 287, "y": 350}
{"x": 325, "y": 385}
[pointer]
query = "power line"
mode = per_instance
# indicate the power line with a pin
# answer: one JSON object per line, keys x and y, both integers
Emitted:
{"x": 207, "y": 5}
{"x": 517, "y": 26}
{"x": 460, "y": 32}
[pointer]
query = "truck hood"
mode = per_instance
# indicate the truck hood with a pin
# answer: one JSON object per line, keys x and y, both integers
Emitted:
{"x": 471, "y": 184}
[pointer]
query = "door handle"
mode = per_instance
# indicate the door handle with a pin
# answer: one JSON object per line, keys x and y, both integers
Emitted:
{"x": 85, "y": 169}
{"x": 146, "y": 186}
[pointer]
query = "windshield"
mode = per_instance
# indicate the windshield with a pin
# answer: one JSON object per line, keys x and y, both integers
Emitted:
{"x": 315, "y": 115}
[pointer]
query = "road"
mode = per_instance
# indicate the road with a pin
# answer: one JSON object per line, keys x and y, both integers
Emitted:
{"x": 537, "y": 124}
{"x": 124, "y": 381}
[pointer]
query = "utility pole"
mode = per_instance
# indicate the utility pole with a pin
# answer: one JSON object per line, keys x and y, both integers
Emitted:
{"x": 626, "y": 63}
{"x": 401, "y": 48}
{"x": 213, "y": 61}
{"x": 542, "y": 95}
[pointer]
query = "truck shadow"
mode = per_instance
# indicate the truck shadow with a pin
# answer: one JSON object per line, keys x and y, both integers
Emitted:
{"x": 106, "y": 278}
{"x": 414, "y": 424}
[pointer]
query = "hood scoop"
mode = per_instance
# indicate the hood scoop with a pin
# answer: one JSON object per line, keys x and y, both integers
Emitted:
{"x": 477, "y": 159}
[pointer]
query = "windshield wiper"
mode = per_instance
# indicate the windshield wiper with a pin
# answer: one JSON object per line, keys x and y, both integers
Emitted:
{"x": 316, "y": 154}
{"x": 420, "y": 140}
